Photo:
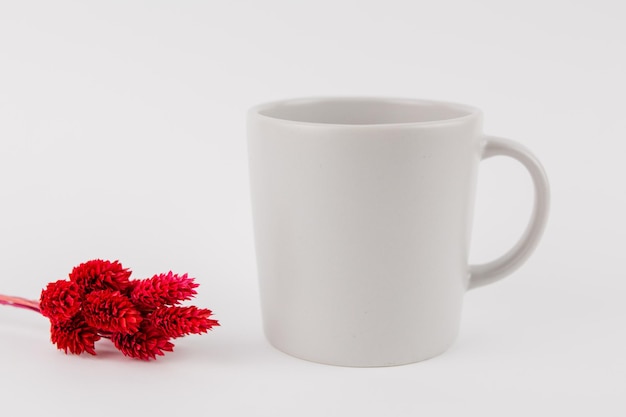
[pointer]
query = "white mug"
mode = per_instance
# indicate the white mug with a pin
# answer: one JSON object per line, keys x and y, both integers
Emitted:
{"x": 362, "y": 210}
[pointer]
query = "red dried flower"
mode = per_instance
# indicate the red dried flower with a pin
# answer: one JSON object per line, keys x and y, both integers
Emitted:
{"x": 162, "y": 289}
{"x": 146, "y": 344}
{"x": 60, "y": 301}
{"x": 100, "y": 275}
{"x": 179, "y": 321}
{"x": 99, "y": 301}
{"x": 110, "y": 311}
{"x": 74, "y": 336}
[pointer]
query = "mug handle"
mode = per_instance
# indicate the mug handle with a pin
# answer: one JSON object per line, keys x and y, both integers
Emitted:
{"x": 497, "y": 269}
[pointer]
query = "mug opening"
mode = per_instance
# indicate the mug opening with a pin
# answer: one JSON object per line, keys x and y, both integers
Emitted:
{"x": 363, "y": 111}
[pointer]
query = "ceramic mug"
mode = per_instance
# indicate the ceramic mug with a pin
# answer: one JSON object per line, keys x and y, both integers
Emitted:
{"x": 362, "y": 210}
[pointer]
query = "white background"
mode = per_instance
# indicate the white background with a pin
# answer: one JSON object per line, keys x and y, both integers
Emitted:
{"x": 122, "y": 136}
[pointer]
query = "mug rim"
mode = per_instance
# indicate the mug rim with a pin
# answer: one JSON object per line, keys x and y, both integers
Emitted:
{"x": 470, "y": 112}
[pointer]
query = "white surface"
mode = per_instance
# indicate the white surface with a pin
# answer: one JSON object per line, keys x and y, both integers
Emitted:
{"x": 122, "y": 136}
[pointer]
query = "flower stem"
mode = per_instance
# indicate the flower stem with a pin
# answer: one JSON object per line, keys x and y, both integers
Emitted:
{"x": 20, "y": 302}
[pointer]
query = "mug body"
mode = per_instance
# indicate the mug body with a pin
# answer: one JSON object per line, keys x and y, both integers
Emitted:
{"x": 362, "y": 210}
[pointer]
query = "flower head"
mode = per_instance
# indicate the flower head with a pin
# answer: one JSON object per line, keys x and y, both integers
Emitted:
{"x": 100, "y": 275}
{"x": 178, "y": 321}
{"x": 60, "y": 301}
{"x": 74, "y": 336}
{"x": 145, "y": 344}
{"x": 162, "y": 289}
{"x": 110, "y": 311}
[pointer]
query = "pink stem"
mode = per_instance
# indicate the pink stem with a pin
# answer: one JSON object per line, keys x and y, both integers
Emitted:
{"x": 106, "y": 335}
{"x": 20, "y": 302}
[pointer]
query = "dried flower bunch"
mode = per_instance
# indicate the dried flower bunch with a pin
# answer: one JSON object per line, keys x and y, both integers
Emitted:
{"x": 140, "y": 316}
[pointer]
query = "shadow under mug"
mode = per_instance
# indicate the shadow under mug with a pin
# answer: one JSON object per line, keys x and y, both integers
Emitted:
{"x": 362, "y": 212}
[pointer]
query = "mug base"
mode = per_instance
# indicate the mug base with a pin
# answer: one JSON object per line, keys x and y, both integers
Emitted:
{"x": 362, "y": 363}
